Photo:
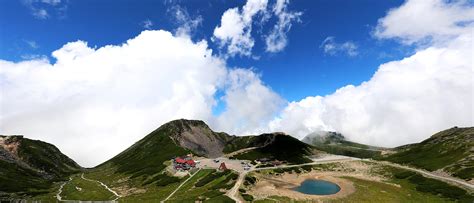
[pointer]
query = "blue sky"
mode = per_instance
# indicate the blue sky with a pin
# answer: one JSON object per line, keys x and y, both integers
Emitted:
{"x": 301, "y": 69}
{"x": 72, "y": 71}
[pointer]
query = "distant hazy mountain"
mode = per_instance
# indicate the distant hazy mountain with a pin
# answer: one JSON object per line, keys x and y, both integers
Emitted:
{"x": 30, "y": 166}
{"x": 451, "y": 151}
{"x": 336, "y": 143}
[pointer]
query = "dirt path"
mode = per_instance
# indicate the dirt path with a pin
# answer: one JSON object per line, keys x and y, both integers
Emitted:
{"x": 103, "y": 185}
{"x": 60, "y": 190}
{"x": 232, "y": 193}
{"x": 239, "y": 151}
{"x": 169, "y": 196}
{"x": 450, "y": 180}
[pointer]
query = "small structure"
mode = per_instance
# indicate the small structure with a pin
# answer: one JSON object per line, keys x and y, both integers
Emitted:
{"x": 222, "y": 167}
{"x": 183, "y": 163}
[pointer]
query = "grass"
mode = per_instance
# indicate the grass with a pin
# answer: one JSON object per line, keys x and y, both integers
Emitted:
{"x": 144, "y": 188}
{"x": 371, "y": 191}
{"x": 283, "y": 148}
{"x": 147, "y": 156}
{"x": 208, "y": 190}
{"x": 17, "y": 181}
{"x": 446, "y": 148}
{"x": 432, "y": 186}
{"x": 90, "y": 190}
{"x": 401, "y": 186}
{"x": 346, "y": 149}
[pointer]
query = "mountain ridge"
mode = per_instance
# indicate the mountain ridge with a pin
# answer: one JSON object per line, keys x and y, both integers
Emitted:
{"x": 30, "y": 166}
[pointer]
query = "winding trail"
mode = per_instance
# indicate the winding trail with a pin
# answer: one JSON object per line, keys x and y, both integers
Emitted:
{"x": 180, "y": 185}
{"x": 60, "y": 190}
{"x": 103, "y": 185}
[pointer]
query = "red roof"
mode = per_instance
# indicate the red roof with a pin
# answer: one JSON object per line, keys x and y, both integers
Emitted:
{"x": 180, "y": 160}
{"x": 191, "y": 162}
{"x": 222, "y": 166}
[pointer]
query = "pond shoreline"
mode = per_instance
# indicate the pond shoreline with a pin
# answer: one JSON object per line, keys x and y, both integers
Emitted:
{"x": 282, "y": 185}
{"x": 312, "y": 186}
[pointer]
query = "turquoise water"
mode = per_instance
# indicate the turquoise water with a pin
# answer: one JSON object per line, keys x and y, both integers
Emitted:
{"x": 317, "y": 187}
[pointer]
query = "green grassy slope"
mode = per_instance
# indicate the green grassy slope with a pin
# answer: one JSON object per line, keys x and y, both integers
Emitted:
{"x": 85, "y": 190}
{"x": 32, "y": 168}
{"x": 146, "y": 157}
{"x": 207, "y": 186}
{"x": 450, "y": 150}
{"x": 281, "y": 147}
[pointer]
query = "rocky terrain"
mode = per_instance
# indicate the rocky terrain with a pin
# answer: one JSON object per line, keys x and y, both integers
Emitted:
{"x": 30, "y": 166}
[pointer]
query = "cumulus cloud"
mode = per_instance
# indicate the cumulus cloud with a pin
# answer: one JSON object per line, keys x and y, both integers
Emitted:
{"x": 236, "y": 27}
{"x": 427, "y": 20}
{"x": 94, "y": 102}
{"x": 405, "y": 101}
{"x": 235, "y": 30}
{"x": 250, "y": 104}
{"x": 331, "y": 47}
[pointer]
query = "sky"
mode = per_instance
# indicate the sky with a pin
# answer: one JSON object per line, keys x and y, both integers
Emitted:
{"x": 93, "y": 77}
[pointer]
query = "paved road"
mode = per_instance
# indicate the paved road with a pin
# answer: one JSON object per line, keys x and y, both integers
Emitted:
{"x": 169, "y": 196}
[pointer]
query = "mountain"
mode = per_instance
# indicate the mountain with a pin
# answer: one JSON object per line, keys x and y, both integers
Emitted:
{"x": 30, "y": 167}
{"x": 450, "y": 151}
{"x": 181, "y": 137}
{"x": 175, "y": 138}
{"x": 336, "y": 143}
{"x": 277, "y": 146}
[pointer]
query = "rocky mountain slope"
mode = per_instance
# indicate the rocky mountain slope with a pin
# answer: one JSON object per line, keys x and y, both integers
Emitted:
{"x": 336, "y": 143}
{"x": 30, "y": 166}
{"x": 450, "y": 151}
{"x": 180, "y": 137}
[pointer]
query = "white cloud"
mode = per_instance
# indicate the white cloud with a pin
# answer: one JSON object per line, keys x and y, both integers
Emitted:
{"x": 331, "y": 47}
{"x": 94, "y": 102}
{"x": 277, "y": 40}
{"x": 235, "y": 30}
{"x": 147, "y": 24}
{"x": 405, "y": 101}
{"x": 236, "y": 27}
{"x": 42, "y": 9}
{"x": 31, "y": 44}
{"x": 427, "y": 20}
{"x": 185, "y": 22}
{"x": 51, "y": 2}
{"x": 250, "y": 104}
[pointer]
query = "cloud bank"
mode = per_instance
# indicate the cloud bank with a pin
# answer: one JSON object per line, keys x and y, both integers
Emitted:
{"x": 408, "y": 100}
{"x": 95, "y": 102}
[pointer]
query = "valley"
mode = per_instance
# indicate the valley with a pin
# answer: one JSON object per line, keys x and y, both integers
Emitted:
{"x": 260, "y": 168}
